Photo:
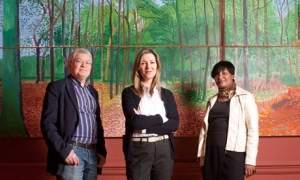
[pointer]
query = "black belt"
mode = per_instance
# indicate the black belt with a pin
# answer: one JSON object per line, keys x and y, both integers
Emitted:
{"x": 86, "y": 146}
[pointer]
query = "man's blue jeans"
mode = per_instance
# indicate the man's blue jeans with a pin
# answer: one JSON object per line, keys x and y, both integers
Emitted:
{"x": 87, "y": 168}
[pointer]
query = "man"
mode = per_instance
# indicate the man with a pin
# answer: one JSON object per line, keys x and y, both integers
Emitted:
{"x": 71, "y": 124}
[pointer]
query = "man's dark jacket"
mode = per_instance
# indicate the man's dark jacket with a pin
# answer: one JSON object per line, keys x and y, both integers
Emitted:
{"x": 59, "y": 121}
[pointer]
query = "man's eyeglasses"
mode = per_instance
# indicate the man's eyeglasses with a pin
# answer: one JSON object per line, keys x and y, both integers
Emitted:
{"x": 80, "y": 61}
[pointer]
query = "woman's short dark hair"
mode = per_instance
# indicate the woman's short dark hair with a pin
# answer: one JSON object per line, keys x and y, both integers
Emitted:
{"x": 222, "y": 65}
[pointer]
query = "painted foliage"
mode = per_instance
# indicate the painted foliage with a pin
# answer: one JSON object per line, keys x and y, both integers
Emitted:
{"x": 262, "y": 40}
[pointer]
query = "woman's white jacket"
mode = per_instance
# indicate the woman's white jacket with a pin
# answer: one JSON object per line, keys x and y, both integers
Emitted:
{"x": 242, "y": 127}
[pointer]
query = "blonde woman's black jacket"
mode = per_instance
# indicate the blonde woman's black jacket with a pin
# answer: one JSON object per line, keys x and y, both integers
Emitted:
{"x": 152, "y": 124}
{"x": 59, "y": 121}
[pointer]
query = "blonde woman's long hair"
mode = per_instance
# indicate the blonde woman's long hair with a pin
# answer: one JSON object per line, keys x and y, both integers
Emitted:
{"x": 136, "y": 77}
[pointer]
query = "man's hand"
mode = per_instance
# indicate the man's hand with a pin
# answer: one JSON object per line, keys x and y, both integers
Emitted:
{"x": 102, "y": 161}
{"x": 249, "y": 170}
{"x": 72, "y": 159}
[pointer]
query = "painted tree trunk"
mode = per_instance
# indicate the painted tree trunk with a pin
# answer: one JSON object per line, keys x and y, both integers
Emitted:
{"x": 11, "y": 121}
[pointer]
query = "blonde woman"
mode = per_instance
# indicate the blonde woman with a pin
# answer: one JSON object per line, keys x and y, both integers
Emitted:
{"x": 151, "y": 118}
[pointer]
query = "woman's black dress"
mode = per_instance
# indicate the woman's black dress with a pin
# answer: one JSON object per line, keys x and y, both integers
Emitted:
{"x": 218, "y": 163}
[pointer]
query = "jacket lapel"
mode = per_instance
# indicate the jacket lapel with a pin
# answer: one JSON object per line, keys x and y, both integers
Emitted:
{"x": 71, "y": 93}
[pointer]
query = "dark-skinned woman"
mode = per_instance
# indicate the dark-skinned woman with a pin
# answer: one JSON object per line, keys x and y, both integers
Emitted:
{"x": 228, "y": 140}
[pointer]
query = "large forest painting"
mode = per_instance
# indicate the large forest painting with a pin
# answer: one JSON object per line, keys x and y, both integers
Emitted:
{"x": 260, "y": 37}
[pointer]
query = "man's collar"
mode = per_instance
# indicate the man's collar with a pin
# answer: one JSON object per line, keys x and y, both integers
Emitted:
{"x": 78, "y": 82}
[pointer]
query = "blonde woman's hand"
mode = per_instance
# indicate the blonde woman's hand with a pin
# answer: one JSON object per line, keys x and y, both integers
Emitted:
{"x": 136, "y": 111}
